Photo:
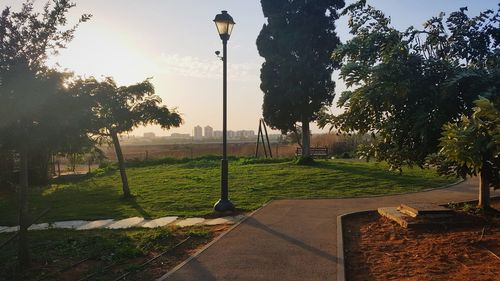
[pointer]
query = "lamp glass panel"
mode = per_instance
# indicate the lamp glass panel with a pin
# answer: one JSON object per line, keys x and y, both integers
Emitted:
{"x": 222, "y": 27}
{"x": 230, "y": 28}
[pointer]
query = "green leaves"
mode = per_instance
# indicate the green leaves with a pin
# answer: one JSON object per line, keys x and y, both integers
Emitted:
{"x": 297, "y": 43}
{"x": 474, "y": 142}
{"x": 403, "y": 86}
{"x": 29, "y": 37}
{"x": 120, "y": 109}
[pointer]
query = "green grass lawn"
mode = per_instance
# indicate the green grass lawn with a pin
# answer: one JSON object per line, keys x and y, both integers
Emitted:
{"x": 190, "y": 188}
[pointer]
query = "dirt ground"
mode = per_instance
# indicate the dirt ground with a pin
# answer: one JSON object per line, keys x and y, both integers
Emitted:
{"x": 379, "y": 249}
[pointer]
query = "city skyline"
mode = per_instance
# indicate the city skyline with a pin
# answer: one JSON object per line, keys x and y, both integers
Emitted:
{"x": 206, "y": 131}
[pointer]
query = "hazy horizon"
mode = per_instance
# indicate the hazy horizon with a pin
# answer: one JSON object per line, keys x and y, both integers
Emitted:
{"x": 174, "y": 43}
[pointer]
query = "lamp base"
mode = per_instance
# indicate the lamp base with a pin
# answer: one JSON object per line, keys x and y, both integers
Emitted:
{"x": 224, "y": 205}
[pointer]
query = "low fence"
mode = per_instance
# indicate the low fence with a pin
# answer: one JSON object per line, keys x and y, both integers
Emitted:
{"x": 145, "y": 152}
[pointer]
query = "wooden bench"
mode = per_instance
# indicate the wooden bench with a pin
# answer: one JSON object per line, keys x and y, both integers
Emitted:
{"x": 319, "y": 152}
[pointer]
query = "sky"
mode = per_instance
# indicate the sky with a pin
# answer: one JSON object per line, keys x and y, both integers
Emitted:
{"x": 174, "y": 43}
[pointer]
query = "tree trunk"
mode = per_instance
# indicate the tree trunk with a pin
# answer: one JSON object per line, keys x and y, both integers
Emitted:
{"x": 53, "y": 166}
{"x": 38, "y": 169}
{"x": 306, "y": 139}
{"x": 121, "y": 165}
{"x": 484, "y": 189}
{"x": 22, "y": 250}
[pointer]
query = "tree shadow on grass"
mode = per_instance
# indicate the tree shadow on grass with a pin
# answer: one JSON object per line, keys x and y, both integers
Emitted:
{"x": 80, "y": 200}
{"x": 133, "y": 202}
{"x": 403, "y": 179}
{"x": 70, "y": 178}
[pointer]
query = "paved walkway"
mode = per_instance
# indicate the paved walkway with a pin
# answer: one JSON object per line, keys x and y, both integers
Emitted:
{"x": 295, "y": 239}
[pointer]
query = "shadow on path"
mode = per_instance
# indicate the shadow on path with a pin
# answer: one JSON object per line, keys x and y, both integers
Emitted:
{"x": 304, "y": 256}
{"x": 255, "y": 223}
{"x": 198, "y": 272}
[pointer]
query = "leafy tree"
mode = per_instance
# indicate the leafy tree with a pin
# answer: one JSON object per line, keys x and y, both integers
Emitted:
{"x": 405, "y": 85}
{"x": 117, "y": 110}
{"x": 28, "y": 90}
{"x": 296, "y": 77}
{"x": 473, "y": 146}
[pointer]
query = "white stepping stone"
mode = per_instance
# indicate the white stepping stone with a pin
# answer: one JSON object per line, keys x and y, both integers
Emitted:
{"x": 224, "y": 220}
{"x": 126, "y": 223}
{"x": 2, "y": 228}
{"x": 159, "y": 222}
{"x": 11, "y": 229}
{"x": 95, "y": 224}
{"x": 40, "y": 226}
{"x": 189, "y": 222}
{"x": 69, "y": 224}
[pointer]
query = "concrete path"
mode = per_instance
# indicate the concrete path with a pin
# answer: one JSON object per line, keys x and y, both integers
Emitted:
{"x": 295, "y": 239}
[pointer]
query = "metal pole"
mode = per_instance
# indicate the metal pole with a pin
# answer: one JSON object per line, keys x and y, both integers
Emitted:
{"x": 224, "y": 191}
{"x": 258, "y": 138}
{"x": 267, "y": 138}
{"x": 224, "y": 205}
{"x": 262, "y": 138}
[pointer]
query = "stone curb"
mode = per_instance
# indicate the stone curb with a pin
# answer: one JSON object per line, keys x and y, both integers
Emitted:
{"x": 340, "y": 236}
{"x": 340, "y": 242}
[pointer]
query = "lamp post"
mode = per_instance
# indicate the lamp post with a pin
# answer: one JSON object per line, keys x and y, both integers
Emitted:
{"x": 224, "y": 23}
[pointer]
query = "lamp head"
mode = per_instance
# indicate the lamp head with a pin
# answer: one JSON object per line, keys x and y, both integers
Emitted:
{"x": 224, "y": 23}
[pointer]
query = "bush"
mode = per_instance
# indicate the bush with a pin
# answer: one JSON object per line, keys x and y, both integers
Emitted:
{"x": 105, "y": 168}
{"x": 253, "y": 160}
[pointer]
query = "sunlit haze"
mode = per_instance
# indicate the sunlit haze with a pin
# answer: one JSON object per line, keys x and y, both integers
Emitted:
{"x": 173, "y": 41}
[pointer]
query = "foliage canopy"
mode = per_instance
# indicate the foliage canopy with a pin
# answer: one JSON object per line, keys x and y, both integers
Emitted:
{"x": 32, "y": 96}
{"x": 405, "y": 85}
{"x": 120, "y": 109}
{"x": 296, "y": 77}
{"x": 474, "y": 143}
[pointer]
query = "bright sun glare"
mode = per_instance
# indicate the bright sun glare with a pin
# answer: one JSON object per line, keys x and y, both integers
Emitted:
{"x": 99, "y": 52}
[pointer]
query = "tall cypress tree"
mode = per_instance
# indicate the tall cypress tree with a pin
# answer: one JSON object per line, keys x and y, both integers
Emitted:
{"x": 297, "y": 42}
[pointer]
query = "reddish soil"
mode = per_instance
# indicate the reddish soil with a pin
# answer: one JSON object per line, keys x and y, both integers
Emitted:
{"x": 379, "y": 249}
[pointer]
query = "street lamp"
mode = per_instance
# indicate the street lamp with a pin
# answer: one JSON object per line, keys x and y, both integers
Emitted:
{"x": 224, "y": 23}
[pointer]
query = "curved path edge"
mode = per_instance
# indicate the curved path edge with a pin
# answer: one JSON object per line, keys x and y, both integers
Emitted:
{"x": 295, "y": 239}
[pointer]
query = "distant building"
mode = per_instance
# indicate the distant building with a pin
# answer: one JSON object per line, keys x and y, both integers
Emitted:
{"x": 180, "y": 136}
{"x": 149, "y": 135}
{"x": 198, "y": 132}
{"x": 241, "y": 134}
{"x": 209, "y": 132}
{"x": 244, "y": 134}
